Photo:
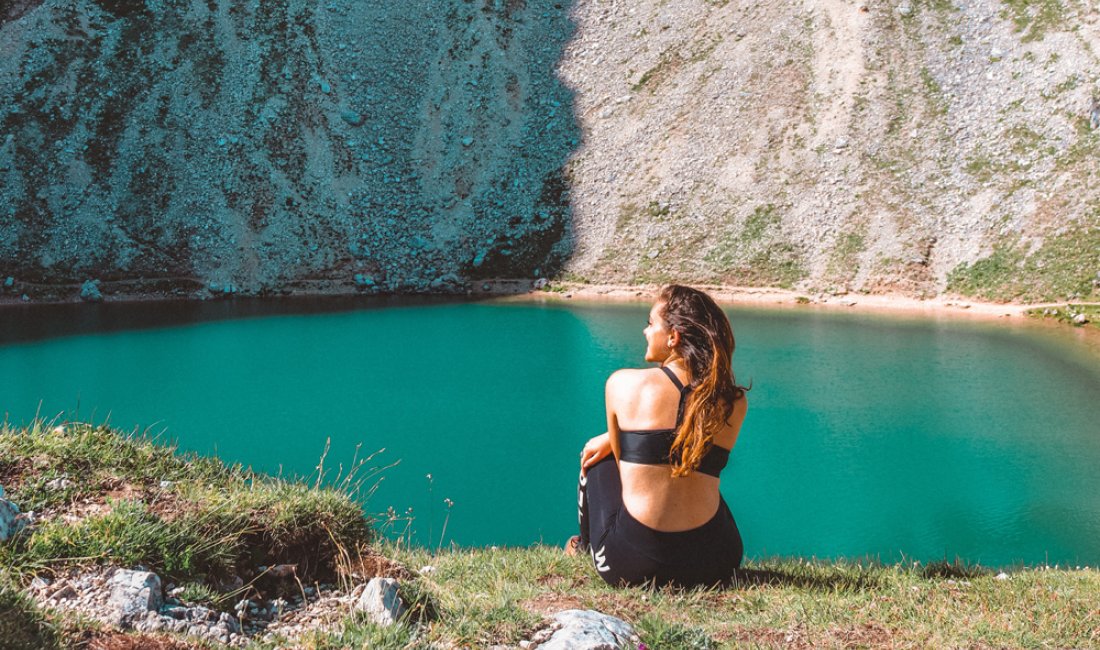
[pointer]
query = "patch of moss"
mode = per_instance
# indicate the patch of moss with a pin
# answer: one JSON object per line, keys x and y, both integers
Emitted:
{"x": 1034, "y": 18}
{"x": 1067, "y": 265}
{"x": 756, "y": 254}
{"x": 844, "y": 259}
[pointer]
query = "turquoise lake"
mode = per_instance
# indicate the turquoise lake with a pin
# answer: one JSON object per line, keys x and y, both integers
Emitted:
{"x": 867, "y": 436}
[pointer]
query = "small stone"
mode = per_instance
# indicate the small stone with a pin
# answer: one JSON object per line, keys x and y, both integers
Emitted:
{"x": 653, "y": 254}
{"x": 61, "y": 483}
{"x": 590, "y": 630}
{"x": 1080, "y": 319}
{"x": 905, "y": 10}
{"x": 164, "y": 485}
{"x": 283, "y": 570}
{"x": 1002, "y": 576}
{"x": 381, "y": 601}
{"x": 351, "y": 117}
{"x": 9, "y": 282}
{"x": 841, "y": 143}
{"x": 467, "y": 141}
{"x": 427, "y": 569}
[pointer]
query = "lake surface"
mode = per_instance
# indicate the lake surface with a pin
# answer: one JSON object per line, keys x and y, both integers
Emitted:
{"x": 867, "y": 436}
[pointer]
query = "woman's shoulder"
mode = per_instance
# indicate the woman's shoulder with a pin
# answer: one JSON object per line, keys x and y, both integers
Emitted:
{"x": 633, "y": 377}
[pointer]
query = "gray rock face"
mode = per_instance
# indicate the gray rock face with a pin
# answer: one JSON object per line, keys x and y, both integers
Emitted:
{"x": 576, "y": 629}
{"x": 134, "y": 594}
{"x": 248, "y": 143}
{"x": 381, "y": 601}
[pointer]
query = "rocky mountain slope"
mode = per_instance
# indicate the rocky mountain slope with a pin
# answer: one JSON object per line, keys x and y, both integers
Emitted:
{"x": 206, "y": 147}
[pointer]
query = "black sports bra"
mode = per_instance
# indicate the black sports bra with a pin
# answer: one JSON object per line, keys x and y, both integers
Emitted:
{"x": 654, "y": 446}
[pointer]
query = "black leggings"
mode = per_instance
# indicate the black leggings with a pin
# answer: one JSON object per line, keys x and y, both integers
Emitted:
{"x": 627, "y": 552}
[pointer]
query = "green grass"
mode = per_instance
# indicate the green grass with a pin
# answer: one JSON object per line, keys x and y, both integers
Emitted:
{"x": 1069, "y": 313}
{"x": 226, "y": 517}
{"x": 208, "y": 521}
{"x": 844, "y": 258}
{"x": 1034, "y": 18}
{"x": 22, "y": 625}
{"x": 1064, "y": 267}
{"x": 498, "y": 596}
{"x": 755, "y": 253}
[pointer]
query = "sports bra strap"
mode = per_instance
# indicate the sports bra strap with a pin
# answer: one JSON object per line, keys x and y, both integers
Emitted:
{"x": 674, "y": 378}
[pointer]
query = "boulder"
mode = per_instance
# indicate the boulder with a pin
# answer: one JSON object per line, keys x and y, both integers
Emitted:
{"x": 89, "y": 291}
{"x": 577, "y": 629}
{"x": 381, "y": 601}
{"x": 134, "y": 594}
{"x": 11, "y": 522}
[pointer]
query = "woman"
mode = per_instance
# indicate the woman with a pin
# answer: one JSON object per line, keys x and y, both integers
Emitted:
{"x": 650, "y": 509}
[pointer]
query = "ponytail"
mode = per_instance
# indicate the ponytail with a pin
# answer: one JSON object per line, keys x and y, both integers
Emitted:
{"x": 706, "y": 345}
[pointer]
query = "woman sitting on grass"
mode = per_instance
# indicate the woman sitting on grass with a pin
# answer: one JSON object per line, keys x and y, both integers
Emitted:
{"x": 650, "y": 509}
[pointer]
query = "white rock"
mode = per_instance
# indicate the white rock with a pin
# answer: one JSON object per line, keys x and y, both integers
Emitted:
{"x": 59, "y": 483}
{"x": 133, "y": 593}
{"x": 381, "y": 601}
{"x": 590, "y": 630}
{"x": 1002, "y": 576}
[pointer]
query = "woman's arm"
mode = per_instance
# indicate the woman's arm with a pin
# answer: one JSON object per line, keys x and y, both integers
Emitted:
{"x": 611, "y": 391}
{"x": 594, "y": 451}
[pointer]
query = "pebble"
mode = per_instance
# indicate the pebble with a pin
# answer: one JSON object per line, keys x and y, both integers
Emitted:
{"x": 351, "y": 117}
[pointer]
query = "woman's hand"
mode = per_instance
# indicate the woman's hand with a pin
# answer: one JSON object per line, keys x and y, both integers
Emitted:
{"x": 594, "y": 451}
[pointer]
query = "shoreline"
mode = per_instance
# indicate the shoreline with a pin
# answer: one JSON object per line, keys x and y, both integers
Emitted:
{"x": 524, "y": 290}
{"x": 944, "y": 304}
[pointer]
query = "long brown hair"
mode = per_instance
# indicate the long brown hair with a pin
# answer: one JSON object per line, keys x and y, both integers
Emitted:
{"x": 706, "y": 346}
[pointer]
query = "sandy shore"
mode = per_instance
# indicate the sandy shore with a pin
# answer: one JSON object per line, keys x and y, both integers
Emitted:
{"x": 758, "y": 296}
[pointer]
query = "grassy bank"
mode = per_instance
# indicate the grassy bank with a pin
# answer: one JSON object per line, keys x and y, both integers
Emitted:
{"x": 129, "y": 501}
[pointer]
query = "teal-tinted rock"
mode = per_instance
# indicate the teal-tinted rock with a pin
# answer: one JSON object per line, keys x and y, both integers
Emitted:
{"x": 325, "y": 88}
{"x": 352, "y": 118}
{"x": 467, "y": 141}
{"x": 9, "y": 282}
{"x": 89, "y": 291}
{"x": 479, "y": 259}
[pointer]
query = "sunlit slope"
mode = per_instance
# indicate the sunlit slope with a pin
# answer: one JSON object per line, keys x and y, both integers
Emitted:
{"x": 916, "y": 146}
